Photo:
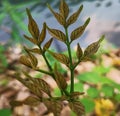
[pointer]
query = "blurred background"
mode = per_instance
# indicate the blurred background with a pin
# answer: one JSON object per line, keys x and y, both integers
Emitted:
{"x": 105, "y": 19}
{"x": 104, "y": 16}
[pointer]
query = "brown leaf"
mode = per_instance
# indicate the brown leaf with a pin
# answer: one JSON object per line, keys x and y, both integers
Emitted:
{"x": 77, "y": 107}
{"x": 60, "y": 57}
{"x": 32, "y": 101}
{"x": 16, "y": 103}
{"x": 42, "y": 85}
{"x": 93, "y": 48}
{"x": 79, "y": 31}
{"x": 60, "y": 79}
{"x": 34, "y": 41}
{"x": 79, "y": 52}
{"x": 34, "y": 50}
{"x": 54, "y": 106}
{"x": 64, "y": 9}
{"x": 33, "y": 60}
{"x": 76, "y": 94}
{"x": 57, "y": 34}
{"x": 32, "y": 26}
{"x": 47, "y": 45}
{"x": 42, "y": 34}
{"x": 74, "y": 16}
{"x": 24, "y": 60}
{"x": 58, "y": 16}
{"x": 30, "y": 85}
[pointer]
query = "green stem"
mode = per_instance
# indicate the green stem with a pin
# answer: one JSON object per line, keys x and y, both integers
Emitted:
{"x": 48, "y": 64}
{"x": 45, "y": 72}
{"x": 71, "y": 64}
{"x": 50, "y": 68}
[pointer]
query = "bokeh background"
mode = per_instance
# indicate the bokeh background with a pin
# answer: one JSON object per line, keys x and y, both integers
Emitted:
{"x": 105, "y": 20}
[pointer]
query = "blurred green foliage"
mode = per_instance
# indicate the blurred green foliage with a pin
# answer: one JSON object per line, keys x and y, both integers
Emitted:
{"x": 3, "y": 60}
{"x": 5, "y": 112}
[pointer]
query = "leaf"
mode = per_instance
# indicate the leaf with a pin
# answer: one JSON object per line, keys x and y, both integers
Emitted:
{"x": 5, "y": 111}
{"x": 33, "y": 60}
{"x": 16, "y": 103}
{"x": 58, "y": 16}
{"x": 39, "y": 84}
{"x": 77, "y": 107}
{"x": 76, "y": 94}
{"x": 79, "y": 51}
{"x": 79, "y": 31}
{"x": 93, "y": 48}
{"x": 60, "y": 57}
{"x": 89, "y": 104}
{"x": 42, "y": 85}
{"x": 47, "y": 45}
{"x": 57, "y": 34}
{"x": 60, "y": 79}
{"x": 42, "y": 34}
{"x": 107, "y": 90}
{"x": 29, "y": 60}
{"x": 93, "y": 92}
{"x": 32, "y": 101}
{"x": 32, "y": 26}
{"x": 74, "y": 16}
{"x": 24, "y": 60}
{"x": 29, "y": 84}
{"x": 34, "y": 41}
{"x": 64, "y": 9}
{"x": 54, "y": 106}
{"x": 34, "y": 50}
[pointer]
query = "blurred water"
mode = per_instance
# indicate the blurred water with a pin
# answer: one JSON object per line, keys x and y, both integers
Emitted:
{"x": 104, "y": 14}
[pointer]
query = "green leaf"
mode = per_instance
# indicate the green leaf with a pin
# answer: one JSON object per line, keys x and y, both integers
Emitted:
{"x": 74, "y": 16}
{"x": 5, "y": 112}
{"x": 78, "y": 87}
{"x": 101, "y": 69}
{"x": 93, "y": 92}
{"x": 57, "y": 34}
{"x": 47, "y": 45}
{"x": 42, "y": 34}
{"x": 32, "y": 26}
{"x": 92, "y": 48}
{"x": 107, "y": 90}
{"x": 90, "y": 77}
{"x": 64, "y": 9}
{"x": 60, "y": 57}
{"x": 77, "y": 107}
{"x": 117, "y": 97}
{"x": 88, "y": 104}
{"x": 79, "y": 31}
